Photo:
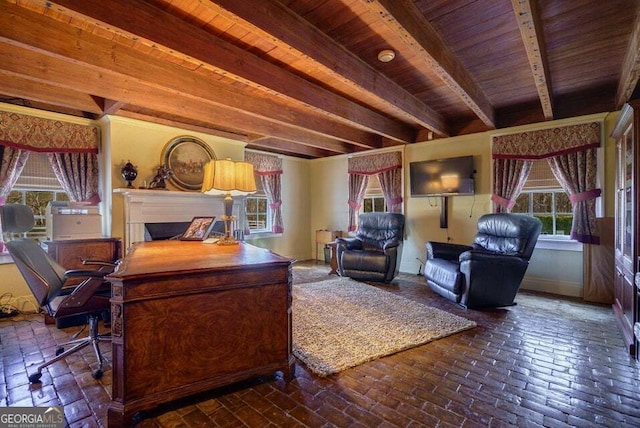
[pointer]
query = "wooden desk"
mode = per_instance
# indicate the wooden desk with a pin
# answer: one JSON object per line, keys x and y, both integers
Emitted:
{"x": 188, "y": 317}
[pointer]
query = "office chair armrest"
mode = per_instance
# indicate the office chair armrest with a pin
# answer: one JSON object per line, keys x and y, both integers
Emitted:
{"x": 99, "y": 262}
{"x": 75, "y": 273}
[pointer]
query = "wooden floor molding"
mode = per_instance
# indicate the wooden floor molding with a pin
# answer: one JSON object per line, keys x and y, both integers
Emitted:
{"x": 550, "y": 361}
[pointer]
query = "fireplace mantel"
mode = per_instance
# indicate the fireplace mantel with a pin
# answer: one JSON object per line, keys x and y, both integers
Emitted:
{"x": 165, "y": 206}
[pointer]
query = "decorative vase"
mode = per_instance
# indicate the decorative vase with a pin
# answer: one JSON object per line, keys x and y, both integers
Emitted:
{"x": 129, "y": 173}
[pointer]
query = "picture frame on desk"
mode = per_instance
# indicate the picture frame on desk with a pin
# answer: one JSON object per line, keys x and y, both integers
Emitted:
{"x": 199, "y": 229}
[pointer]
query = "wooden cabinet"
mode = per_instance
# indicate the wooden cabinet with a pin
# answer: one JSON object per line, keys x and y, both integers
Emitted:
{"x": 627, "y": 242}
{"x": 70, "y": 253}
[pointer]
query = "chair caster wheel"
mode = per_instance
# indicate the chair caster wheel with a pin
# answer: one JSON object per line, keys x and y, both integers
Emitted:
{"x": 59, "y": 351}
{"x": 97, "y": 374}
{"x": 35, "y": 378}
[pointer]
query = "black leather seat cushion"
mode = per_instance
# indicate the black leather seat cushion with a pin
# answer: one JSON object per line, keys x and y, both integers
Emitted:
{"x": 372, "y": 261}
{"x": 446, "y": 274}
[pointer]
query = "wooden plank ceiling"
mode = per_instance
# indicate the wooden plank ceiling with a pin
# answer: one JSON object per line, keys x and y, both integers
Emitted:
{"x": 302, "y": 77}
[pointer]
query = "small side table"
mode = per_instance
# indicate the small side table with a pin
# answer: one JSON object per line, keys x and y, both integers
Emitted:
{"x": 334, "y": 259}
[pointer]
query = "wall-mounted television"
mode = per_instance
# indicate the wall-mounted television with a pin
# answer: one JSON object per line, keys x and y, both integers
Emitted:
{"x": 442, "y": 177}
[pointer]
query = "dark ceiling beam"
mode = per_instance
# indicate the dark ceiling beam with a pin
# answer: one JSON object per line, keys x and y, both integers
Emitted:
{"x": 280, "y": 25}
{"x": 44, "y": 34}
{"x": 64, "y": 73}
{"x": 111, "y": 106}
{"x": 630, "y": 67}
{"x": 528, "y": 19}
{"x": 407, "y": 22}
{"x": 160, "y": 30}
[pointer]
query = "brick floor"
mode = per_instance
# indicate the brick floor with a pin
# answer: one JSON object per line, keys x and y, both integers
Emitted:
{"x": 549, "y": 361}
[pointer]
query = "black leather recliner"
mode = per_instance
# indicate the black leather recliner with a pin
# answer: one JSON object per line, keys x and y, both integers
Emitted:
{"x": 488, "y": 273}
{"x": 374, "y": 253}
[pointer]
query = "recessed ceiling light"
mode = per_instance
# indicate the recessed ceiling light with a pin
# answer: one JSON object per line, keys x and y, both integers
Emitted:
{"x": 386, "y": 55}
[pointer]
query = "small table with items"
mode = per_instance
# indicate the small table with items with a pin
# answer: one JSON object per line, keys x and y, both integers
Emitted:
{"x": 333, "y": 263}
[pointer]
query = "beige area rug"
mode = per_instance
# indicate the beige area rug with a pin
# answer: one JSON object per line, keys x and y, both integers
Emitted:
{"x": 341, "y": 323}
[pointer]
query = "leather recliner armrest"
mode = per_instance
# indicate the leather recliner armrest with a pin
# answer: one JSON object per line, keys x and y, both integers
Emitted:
{"x": 445, "y": 250}
{"x": 488, "y": 257}
{"x": 349, "y": 243}
{"x": 391, "y": 244}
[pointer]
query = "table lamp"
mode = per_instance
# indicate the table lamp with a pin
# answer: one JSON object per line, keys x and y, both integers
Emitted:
{"x": 229, "y": 178}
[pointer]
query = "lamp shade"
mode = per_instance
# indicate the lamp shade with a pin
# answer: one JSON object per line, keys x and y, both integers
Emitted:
{"x": 224, "y": 176}
{"x": 245, "y": 179}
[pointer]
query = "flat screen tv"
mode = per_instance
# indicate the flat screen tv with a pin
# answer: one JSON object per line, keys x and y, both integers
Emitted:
{"x": 442, "y": 177}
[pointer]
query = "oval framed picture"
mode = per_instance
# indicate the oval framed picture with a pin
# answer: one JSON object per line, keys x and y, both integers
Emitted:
{"x": 186, "y": 157}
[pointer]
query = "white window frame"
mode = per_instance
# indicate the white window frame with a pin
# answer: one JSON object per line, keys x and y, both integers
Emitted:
{"x": 37, "y": 232}
{"x": 546, "y": 241}
{"x": 269, "y": 216}
{"x": 372, "y": 193}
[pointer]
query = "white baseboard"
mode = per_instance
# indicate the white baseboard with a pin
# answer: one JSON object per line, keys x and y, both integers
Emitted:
{"x": 545, "y": 285}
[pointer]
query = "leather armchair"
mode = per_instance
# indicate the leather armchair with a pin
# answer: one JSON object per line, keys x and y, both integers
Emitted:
{"x": 374, "y": 253}
{"x": 489, "y": 272}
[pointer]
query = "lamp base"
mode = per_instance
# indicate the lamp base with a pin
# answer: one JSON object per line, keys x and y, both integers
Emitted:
{"x": 228, "y": 239}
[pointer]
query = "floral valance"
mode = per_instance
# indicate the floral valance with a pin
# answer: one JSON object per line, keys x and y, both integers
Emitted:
{"x": 547, "y": 142}
{"x": 46, "y": 135}
{"x": 375, "y": 164}
{"x": 264, "y": 164}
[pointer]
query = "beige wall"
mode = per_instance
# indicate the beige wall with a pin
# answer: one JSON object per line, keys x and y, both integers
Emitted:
{"x": 315, "y": 195}
{"x": 550, "y": 270}
{"x": 142, "y": 143}
{"x": 296, "y": 212}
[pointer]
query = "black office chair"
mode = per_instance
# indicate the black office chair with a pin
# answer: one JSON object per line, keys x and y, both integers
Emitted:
{"x": 82, "y": 304}
{"x": 374, "y": 253}
{"x": 489, "y": 272}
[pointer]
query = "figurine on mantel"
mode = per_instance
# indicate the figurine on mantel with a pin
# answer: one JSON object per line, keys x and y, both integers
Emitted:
{"x": 129, "y": 173}
{"x": 158, "y": 181}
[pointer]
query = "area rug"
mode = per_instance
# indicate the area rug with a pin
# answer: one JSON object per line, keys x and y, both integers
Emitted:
{"x": 341, "y": 323}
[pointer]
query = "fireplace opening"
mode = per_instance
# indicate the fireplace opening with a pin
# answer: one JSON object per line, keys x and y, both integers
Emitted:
{"x": 174, "y": 230}
{"x": 164, "y": 231}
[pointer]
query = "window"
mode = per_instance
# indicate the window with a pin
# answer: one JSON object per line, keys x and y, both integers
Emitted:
{"x": 36, "y": 187}
{"x": 258, "y": 213}
{"x": 257, "y": 210}
{"x": 373, "y": 199}
{"x": 544, "y": 198}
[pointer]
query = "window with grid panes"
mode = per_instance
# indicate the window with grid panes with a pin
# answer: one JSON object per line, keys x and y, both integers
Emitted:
{"x": 544, "y": 198}
{"x": 373, "y": 198}
{"x": 257, "y": 210}
{"x": 36, "y": 187}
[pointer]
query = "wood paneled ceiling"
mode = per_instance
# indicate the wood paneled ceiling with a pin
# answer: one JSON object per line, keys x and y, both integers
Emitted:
{"x": 302, "y": 78}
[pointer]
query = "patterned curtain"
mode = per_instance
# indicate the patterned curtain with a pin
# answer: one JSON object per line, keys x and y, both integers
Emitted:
{"x": 78, "y": 175}
{"x": 47, "y": 135}
{"x": 391, "y": 185}
{"x": 12, "y": 161}
{"x": 576, "y": 173}
{"x": 509, "y": 177}
{"x": 571, "y": 153}
{"x": 388, "y": 167}
{"x": 357, "y": 186}
{"x": 269, "y": 169}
